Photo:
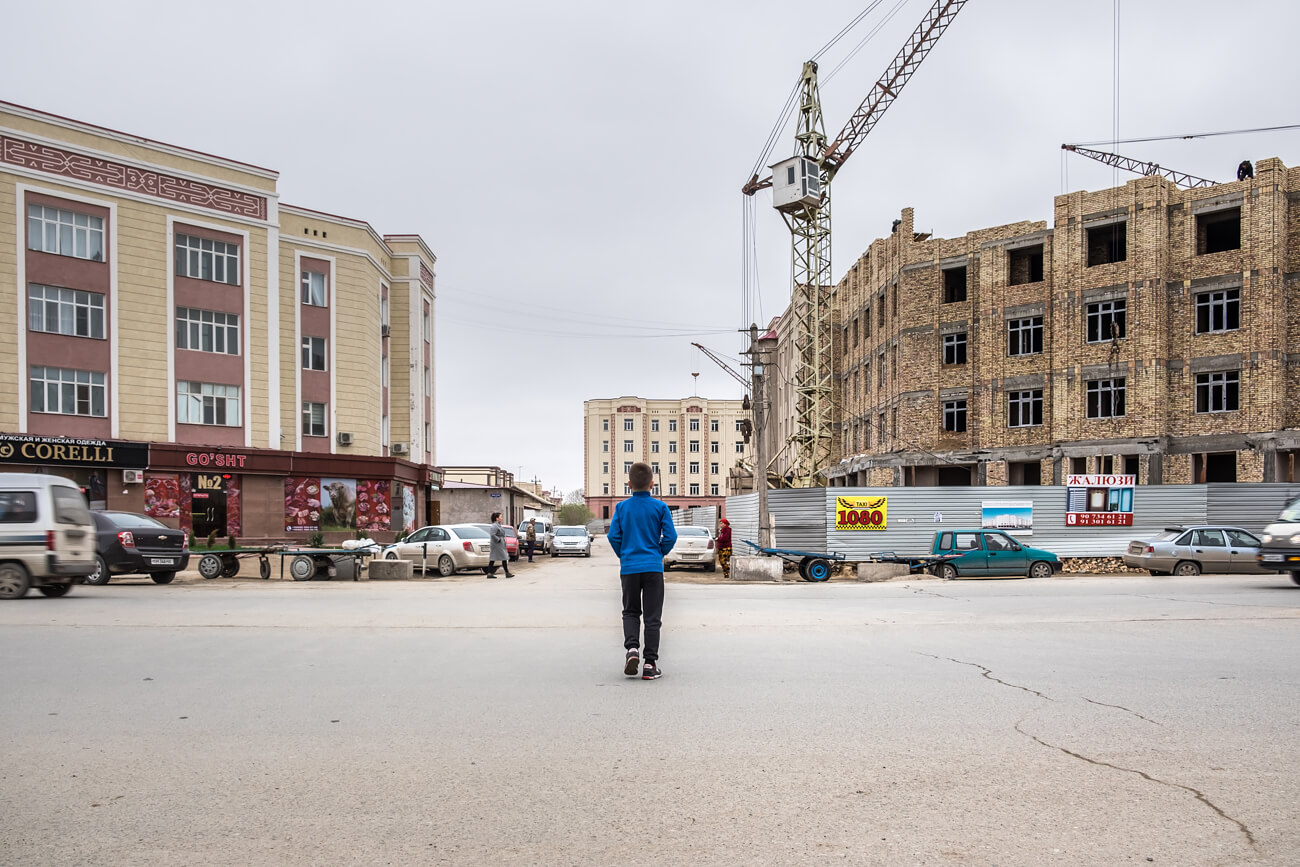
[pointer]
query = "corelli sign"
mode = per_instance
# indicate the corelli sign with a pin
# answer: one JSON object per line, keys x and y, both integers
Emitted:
{"x": 65, "y": 452}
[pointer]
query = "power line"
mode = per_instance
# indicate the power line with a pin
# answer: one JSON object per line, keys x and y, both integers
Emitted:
{"x": 1192, "y": 135}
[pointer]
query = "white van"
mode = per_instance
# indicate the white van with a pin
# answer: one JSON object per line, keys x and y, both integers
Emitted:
{"x": 47, "y": 537}
{"x": 545, "y": 535}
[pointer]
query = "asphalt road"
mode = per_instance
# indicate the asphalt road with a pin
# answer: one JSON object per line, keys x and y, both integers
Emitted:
{"x": 1065, "y": 721}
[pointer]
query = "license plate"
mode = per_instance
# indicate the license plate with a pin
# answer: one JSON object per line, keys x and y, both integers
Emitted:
{"x": 690, "y": 556}
{"x": 1272, "y": 558}
{"x": 161, "y": 561}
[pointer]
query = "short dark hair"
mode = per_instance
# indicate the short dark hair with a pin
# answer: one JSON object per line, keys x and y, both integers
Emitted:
{"x": 641, "y": 477}
{"x": 494, "y": 517}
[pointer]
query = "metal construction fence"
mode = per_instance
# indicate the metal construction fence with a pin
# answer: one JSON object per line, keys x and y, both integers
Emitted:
{"x": 805, "y": 518}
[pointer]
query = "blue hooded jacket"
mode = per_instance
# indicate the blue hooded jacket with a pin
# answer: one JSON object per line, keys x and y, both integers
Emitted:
{"x": 641, "y": 533}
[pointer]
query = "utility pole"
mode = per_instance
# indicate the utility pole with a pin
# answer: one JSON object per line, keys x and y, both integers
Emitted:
{"x": 757, "y": 372}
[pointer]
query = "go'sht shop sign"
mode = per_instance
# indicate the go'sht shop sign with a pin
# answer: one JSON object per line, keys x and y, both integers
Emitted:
{"x": 66, "y": 452}
{"x": 1099, "y": 501}
{"x": 861, "y": 513}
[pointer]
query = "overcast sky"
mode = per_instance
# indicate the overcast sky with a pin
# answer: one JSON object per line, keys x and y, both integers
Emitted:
{"x": 576, "y": 166}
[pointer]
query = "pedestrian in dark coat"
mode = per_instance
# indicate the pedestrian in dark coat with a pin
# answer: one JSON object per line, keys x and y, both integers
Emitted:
{"x": 497, "y": 551}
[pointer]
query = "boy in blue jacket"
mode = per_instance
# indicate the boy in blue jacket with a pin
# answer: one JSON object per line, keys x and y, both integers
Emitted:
{"x": 641, "y": 534}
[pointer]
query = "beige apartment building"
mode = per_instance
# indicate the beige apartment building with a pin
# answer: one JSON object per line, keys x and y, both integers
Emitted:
{"x": 184, "y": 343}
{"x": 691, "y": 444}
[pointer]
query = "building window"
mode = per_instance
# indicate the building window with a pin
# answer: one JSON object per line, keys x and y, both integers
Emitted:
{"x": 954, "y": 348}
{"x": 1107, "y": 320}
{"x": 713, "y": 490}
{"x": 427, "y": 325}
{"x": 207, "y": 403}
{"x": 627, "y": 489}
{"x": 207, "y": 331}
{"x": 654, "y": 468}
{"x": 313, "y": 421}
{"x": 1218, "y": 231}
{"x": 740, "y": 448}
{"x": 740, "y": 426}
{"x": 694, "y": 490}
{"x": 1106, "y": 398}
{"x": 880, "y": 368}
{"x": 1025, "y": 408}
{"x": 1218, "y": 392}
{"x": 1107, "y": 244}
{"x": 1218, "y": 311}
{"x": 654, "y": 447}
{"x": 1025, "y": 265}
{"x": 672, "y": 425}
{"x": 654, "y": 425}
{"x": 64, "y": 391}
{"x": 954, "y": 416}
{"x": 1025, "y": 336}
{"x": 954, "y": 285}
{"x": 695, "y": 445}
{"x": 672, "y": 447}
{"x": 713, "y": 425}
{"x": 628, "y": 424}
{"x": 313, "y": 353}
{"x": 65, "y": 311}
{"x": 627, "y": 467}
{"x": 383, "y": 371}
{"x": 604, "y": 489}
{"x": 604, "y": 445}
{"x": 313, "y": 290}
{"x": 65, "y": 233}
{"x": 695, "y": 424}
{"x": 206, "y": 259}
{"x": 604, "y": 424}
{"x": 694, "y": 468}
{"x": 713, "y": 468}
{"x": 604, "y": 468}
{"x": 627, "y": 445}
{"x": 672, "y": 489}
{"x": 428, "y": 437}
{"x": 715, "y": 447}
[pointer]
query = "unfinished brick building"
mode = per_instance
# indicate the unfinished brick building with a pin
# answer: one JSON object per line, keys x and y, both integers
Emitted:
{"x": 1151, "y": 330}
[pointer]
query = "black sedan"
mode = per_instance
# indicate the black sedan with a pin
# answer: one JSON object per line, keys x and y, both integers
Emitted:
{"x": 131, "y": 544}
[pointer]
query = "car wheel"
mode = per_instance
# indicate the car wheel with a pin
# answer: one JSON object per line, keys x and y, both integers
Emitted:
{"x": 1187, "y": 569}
{"x": 446, "y": 566}
{"x": 209, "y": 566}
{"x": 1040, "y": 570}
{"x": 819, "y": 570}
{"x": 668, "y": 567}
{"x": 302, "y": 568}
{"x": 100, "y": 575}
{"x": 713, "y": 567}
{"x": 163, "y": 577}
{"x": 55, "y": 590}
{"x": 587, "y": 554}
{"x": 947, "y": 571}
{"x": 391, "y": 555}
{"x": 1295, "y": 577}
{"x": 554, "y": 553}
{"x": 14, "y": 581}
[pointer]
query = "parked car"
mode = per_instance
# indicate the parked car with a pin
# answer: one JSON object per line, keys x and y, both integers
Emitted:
{"x": 1193, "y": 550}
{"x": 445, "y": 547}
{"x": 47, "y": 537}
{"x": 571, "y": 540}
{"x": 512, "y": 540}
{"x": 1279, "y": 550}
{"x": 545, "y": 535}
{"x": 694, "y": 547}
{"x": 127, "y": 543}
{"x": 990, "y": 554}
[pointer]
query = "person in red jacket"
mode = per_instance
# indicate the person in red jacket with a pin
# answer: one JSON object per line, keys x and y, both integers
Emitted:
{"x": 724, "y": 547}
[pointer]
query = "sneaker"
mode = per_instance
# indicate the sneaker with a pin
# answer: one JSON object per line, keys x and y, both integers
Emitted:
{"x": 633, "y": 660}
{"x": 651, "y": 671}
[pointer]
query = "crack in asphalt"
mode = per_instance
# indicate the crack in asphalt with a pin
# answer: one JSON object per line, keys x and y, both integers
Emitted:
{"x": 988, "y": 673}
{"x": 1121, "y": 707}
{"x": 1196, "y": 793}
{"x": 1198, "y": 601}
{"x": 922, "y": 590}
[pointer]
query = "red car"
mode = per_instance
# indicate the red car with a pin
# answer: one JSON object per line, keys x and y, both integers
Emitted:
{"x": 512, "y": 540}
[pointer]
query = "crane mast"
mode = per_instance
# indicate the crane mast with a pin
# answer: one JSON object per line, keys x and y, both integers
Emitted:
{"x": 802, "y": 194}
{"x": 1142, "y": 168}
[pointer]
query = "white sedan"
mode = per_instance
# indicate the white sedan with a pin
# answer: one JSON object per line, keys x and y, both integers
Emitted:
{"x": 695, "y": 547}
{"x": 446, "y": 548}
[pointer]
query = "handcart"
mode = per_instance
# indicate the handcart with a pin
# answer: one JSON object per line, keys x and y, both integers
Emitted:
{"x": 305, "y": 564}
{"x": 225, "y": 563}
{"x": 812, "y": 566}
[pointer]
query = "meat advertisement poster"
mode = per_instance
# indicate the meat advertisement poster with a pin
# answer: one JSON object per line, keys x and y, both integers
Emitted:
{"x": 374, "y": 511}
{"x": 162, "y": 496}
{"x": 301, "y": 504}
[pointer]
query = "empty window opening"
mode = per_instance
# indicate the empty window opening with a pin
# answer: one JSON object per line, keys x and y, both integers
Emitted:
{"x": 1107, "y": 244}
{"x": 1131, "y": 465}
{"x": 1105, "y": 464}
{"x": 1025, "y": 265}
{"x": 1215, "y": 467}
{"x": 1078, "y": 466}
{"x": 1218, "y": 231}
{"x": 1024, "y": 473}
{"x": 954, "y": 285}
{"x": 957, "y": 476}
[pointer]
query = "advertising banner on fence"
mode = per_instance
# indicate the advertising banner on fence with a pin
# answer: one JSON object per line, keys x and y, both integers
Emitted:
{"x": 1099, "y": 501}
{"x": 1014, "y": 516}
{"x": 861, "y": 513}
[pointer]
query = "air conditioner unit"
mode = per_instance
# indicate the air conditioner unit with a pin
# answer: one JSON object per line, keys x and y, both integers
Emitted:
{"x": 132, "y": 477}
{"x": 399, "y": 448}
{"x": 345, "y": 439}
{"x": 384, "y": 331}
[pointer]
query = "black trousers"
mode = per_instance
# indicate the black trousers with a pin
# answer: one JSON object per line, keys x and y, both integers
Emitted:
{"x": 643, "y": 598}
{"x": 530, "y": 546}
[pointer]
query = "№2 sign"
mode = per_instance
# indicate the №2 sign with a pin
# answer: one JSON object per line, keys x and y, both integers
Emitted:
{"x": 861, "y": 513}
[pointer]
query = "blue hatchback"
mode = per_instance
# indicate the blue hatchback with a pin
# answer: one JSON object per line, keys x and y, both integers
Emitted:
{"x": 990, "y": 554}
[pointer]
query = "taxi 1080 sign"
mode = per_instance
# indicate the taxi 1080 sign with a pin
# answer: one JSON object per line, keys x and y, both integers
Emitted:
{"x": 861, "y": 513}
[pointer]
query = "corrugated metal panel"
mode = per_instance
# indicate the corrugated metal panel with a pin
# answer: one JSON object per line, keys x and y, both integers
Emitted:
{"x": 742, "y": 512}
{"x": 1249, "y": 506}
{"x": 800, "y": 518}
{"x": 702, "y": 516}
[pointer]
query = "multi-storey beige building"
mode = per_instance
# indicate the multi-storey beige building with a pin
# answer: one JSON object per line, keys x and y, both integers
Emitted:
{"x": 1151, "y": 330}
{"x": 186, "y": 344}
{"x": 691, "y": 444}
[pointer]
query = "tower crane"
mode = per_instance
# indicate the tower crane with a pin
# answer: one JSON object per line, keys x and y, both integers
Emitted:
{"x": 720, "y": 363}
{"x": 1142, "y": 168}
{"x": 801, "y": 188}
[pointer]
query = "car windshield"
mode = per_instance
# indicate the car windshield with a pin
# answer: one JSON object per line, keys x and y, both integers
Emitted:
{"x": 1291, "y": 514}
{"x": 469, "y": 532}
{"x": 692, "y": 531}
{"x": 570, "y": 531}
{"x": 129, "y": 519}
{"x": 509, "y": 531}
{"x": 69, "y": 506}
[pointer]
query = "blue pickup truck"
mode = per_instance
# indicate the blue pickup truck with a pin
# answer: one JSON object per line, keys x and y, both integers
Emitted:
{"x": 989, "y": 554}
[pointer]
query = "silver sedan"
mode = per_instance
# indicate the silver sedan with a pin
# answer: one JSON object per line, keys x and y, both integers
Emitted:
{"x": 1193, "y": 550}
{"x": 446, "y": 548}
